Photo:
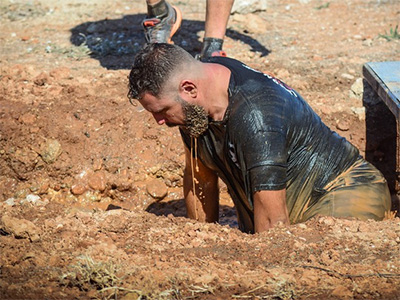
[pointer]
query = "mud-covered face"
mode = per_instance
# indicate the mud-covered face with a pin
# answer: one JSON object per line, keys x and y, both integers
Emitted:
{"x": 195, "y": 116}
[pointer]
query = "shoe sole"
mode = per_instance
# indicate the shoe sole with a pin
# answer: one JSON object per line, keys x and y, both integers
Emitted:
{"x": 177, "y": 24}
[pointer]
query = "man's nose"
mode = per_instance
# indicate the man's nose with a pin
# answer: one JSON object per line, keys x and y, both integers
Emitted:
{"x": 159, "y": 118}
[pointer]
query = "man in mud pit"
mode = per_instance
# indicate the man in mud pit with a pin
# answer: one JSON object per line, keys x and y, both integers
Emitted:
{"x": 280, "y": 162}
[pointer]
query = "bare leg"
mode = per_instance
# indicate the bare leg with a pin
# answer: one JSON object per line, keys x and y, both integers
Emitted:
{"x": 217, "y": 16}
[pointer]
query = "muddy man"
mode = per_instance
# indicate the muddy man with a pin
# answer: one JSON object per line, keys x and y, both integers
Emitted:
{"x": 280, "y": 162}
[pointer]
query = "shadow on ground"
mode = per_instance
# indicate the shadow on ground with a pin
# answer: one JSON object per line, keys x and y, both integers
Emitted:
{"x": 227, "y": 214}
{"x": 115, "y": 42}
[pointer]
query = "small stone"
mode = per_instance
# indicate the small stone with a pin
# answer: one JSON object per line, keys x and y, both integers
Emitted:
{"x": 157, "y": 189}
{"x": 78, "y": 189}
{"x": 249, "y": 6}
{"x": 97, "y": 164}
{"x": 342, "y": 125}
{"x": 50, "y": 151}
{"x": 98, "y": 181}
{"x": 10, "y": 201}
{"x": 32, "y": 198}
{"x": 359, "y": 112}
{"x": 347, "y": 76}
{"x": 357, "y": 88}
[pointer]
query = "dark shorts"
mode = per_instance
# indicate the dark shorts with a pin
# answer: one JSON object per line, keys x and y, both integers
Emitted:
{"x": 361, "y": 192}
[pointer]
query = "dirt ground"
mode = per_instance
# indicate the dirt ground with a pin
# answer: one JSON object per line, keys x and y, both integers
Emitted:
{"x": 90, "y": 187}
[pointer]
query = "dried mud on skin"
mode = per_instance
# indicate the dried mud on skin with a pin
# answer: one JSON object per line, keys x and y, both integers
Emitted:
{"x": 91, "y": 188}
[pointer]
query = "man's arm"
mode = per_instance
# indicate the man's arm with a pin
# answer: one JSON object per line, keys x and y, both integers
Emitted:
{"x": 203, "y": 205}
{"x": 269, "y": 209}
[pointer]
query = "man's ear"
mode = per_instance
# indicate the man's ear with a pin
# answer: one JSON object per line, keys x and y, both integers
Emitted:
{"x": 188, "y": 88}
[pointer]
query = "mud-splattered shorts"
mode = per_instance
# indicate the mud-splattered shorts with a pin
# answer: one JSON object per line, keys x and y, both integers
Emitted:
{"x": 361, "y": 192}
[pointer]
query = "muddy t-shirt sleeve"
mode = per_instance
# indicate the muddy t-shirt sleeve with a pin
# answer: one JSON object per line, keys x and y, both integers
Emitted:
{"x": 259, "y": 137}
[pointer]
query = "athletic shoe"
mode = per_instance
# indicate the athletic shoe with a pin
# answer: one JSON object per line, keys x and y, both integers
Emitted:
{"x": 161, "y": 30}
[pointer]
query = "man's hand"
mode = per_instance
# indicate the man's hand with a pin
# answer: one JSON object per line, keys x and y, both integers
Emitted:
{"x": 202, "y": 204}
{"x": 269, "y": 209}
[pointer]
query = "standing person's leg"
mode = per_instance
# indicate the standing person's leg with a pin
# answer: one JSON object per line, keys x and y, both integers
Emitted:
{"x": 217, "y": 16}
{"x": 162, "y": 21}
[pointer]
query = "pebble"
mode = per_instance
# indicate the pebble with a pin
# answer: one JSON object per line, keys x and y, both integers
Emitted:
{"x": 50, "y": 151}
{"x": 98, "y": 181}
{"x": 35, "y": 200}
{"x": 359, "y": 112}
{"x": 10, "y": 202}
{"x": 157, "y": 189}
{"x": 357, "y": 88}
{"x": 248, "y": 6}
{"x": 347, "y": 76}
{"x": 78, "y": 189}
{"x": 342, "y": 125}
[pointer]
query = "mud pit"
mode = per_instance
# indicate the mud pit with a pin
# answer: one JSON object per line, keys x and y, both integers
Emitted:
{"x": 90, "y": 187}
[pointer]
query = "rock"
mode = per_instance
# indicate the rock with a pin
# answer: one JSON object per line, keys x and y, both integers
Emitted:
{"x": 248, "y": 6}
{"x": 78, "y": 189}
{"x": 20, "y": 228}
{"x": 347, "y": 76}
{"x": 359, "y": 112}
{"x": 10, "y": 201}
{"x": 357, "y": 88}
{"x": 35, "y": 200}
{"x": 342, "y": 125}
{"x": 50, "y": 151}
{"x": 98, "y": 181}
{"x": 157, "y": 189}
{"x": 32, "y": 198}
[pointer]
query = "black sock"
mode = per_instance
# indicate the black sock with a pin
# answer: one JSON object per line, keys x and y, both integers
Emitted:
{"x": 158, "y": 10}
{"x": 210, "y": 45}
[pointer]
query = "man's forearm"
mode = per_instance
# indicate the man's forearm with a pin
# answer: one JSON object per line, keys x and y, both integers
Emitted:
{"x": 201, "y": 191}
{"x": 270, "y": 209}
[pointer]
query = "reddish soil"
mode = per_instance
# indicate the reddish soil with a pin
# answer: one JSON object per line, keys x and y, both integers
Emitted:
{"x": 90, "y": 187}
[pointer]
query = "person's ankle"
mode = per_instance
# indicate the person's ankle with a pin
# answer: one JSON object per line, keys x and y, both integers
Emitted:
{"x": 158, "y": 10}
{"x": 211, "y": 45}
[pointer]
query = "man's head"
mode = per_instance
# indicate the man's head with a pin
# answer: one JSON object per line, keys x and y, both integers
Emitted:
{"x": 163, "y": 78}
{"x": 154, "y": 65}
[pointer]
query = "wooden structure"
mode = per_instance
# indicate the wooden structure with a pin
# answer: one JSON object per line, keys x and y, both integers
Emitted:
{"x": 384, "y": 78}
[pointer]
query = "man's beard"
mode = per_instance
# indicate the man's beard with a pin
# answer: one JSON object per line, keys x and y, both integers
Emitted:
{"x": 196, "y": 118}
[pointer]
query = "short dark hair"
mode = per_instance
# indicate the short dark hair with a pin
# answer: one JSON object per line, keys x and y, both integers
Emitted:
{"x": 152, "y": 67}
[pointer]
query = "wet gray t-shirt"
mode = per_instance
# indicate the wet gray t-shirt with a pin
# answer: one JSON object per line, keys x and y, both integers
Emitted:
{"x": 270, "y": 139}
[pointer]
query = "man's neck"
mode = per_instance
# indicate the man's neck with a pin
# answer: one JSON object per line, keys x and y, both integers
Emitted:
{"x": 215, "y": 90}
